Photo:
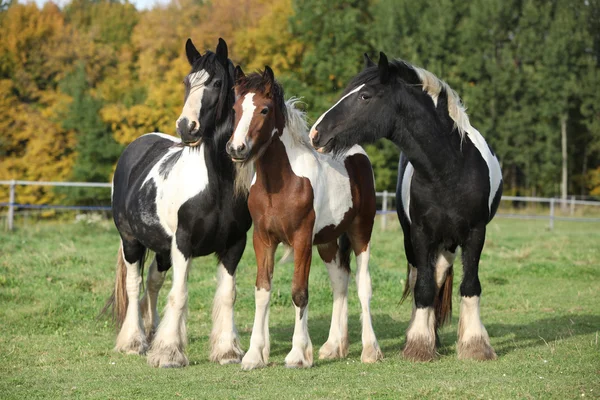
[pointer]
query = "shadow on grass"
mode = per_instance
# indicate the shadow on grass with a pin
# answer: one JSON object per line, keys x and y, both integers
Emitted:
{"x": 507, "y": 337}
{"x": 385, "y": 328}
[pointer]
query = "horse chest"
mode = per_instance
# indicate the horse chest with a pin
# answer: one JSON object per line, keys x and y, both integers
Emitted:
{"x": 176, "y": 182}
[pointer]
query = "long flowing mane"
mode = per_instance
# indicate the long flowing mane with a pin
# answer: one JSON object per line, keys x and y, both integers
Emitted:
{"x": 430, "y": 83}
{"x": 296, "y": 124}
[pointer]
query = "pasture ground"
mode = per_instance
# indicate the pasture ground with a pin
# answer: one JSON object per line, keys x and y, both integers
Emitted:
{"x": 540, "y": 304}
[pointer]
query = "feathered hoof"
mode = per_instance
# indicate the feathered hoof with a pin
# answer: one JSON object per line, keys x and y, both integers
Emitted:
{"x": 253, "y": 360}
{"x": 298, "y": 359}
{"x": 226, "y": 353}
{"x": 166, "y": 356}
{"x": 134, "y": 344}
{"x": 419, "y": 349}
{"x": 477, "y": 348}
{"x": 332, "y": 350}
{"x": 232, "y": 356}
{"x": 371, "y": 353}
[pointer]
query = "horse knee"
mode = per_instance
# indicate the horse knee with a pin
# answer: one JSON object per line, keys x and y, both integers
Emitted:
{"x": 425, "y": 291}
{"x": 300, "y": 297}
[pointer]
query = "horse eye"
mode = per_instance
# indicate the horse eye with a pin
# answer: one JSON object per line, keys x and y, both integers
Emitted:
{"x": 218, "y": 84}
{"x": 365, "y": 96}
{"x": 264, "y": 111}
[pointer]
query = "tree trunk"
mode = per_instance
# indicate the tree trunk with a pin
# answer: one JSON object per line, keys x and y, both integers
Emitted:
{"x": 563, "y": 186}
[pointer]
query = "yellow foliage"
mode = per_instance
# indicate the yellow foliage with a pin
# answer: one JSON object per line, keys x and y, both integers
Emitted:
{"x": 33, "y": 146}
{"x": 270, "y": 41}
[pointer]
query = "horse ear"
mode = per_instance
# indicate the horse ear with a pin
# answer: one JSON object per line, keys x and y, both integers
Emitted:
{"x": 384, "y": 68}
{"x": 269, "y": 79}
{"x": 268, "y": 74}
{"x": 239, "y": 74}
{"x": 222, "y": 55}
{"x": 368, "y": 61}
{"x": 231, "y": 71}
{"x": 190, "y": 51}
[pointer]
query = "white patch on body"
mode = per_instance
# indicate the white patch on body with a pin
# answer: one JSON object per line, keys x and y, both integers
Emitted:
{"x": 405, "y": 192}
{"x": 164, "y": 136}
{"x": 187, "y": 177}
{"x": 491, "y": 161}
{"x": 314, "y": 127}
{"x": 241, "y": 131}
{"x": 328, "y": 177}
{"x": 258, "y": 353}
{"x": 193, "y": 103}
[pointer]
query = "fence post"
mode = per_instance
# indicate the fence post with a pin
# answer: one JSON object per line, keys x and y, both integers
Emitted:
{"x": 384, "y": 209}
{"x": 551, "y": 214}
{"x": 572, "y": 205}
{"x": 11, "y": 205}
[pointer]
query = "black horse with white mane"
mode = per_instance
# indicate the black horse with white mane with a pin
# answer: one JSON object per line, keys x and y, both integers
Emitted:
{"x": 178, "y": 198}
{"x": 449, "y": 186}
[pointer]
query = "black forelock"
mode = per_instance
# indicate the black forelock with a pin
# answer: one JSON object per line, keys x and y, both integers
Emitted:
{"x": 255, "y": 82}
{"x": 399, "y": 70}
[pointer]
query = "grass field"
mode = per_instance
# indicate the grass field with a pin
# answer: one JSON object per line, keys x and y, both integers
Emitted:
{"x": 540, "y": 304}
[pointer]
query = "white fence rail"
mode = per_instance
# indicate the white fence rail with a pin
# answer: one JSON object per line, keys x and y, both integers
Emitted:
{"x": 387, "y": 198}
{"x": 552, "y": 215}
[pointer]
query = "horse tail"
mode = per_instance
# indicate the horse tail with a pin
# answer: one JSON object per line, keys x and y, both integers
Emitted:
{"x": 443, "y": 301}
{"x": 407, "y": 290}
{"x": 118, "y": 299}
{"x": 344, "y": 251}
{"x": 288, "y": 255}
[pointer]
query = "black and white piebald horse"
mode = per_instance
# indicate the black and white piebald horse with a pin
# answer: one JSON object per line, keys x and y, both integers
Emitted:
{"x": 449, "y": 187}
{"x": 178, "y": 198}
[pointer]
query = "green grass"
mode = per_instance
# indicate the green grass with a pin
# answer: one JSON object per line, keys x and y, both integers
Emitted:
{"x": 541, "y": 307}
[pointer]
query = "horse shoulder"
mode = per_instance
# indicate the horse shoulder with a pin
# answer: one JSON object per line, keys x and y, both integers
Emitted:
{"x": 179, "y": 175}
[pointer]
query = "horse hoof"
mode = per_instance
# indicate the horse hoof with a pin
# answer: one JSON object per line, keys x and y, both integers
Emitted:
{"x": 166, "y": 357}
{"x": 252, "y": 360}
{"x": 371, "y": 354}
{"x": 332, "y": 350}
{"x": 233, "y": 355}
{"x": 420, "y": 350}
{"x": 134, "y": 345}
{"x": 296, "y": 359}
{"x": 477, "y": 348}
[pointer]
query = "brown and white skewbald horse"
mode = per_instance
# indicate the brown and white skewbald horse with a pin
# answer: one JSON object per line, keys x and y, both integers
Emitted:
{"x": 302, "y": 198}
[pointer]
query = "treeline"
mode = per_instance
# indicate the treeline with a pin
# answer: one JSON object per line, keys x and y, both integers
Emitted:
{"x": 78, "y": 83}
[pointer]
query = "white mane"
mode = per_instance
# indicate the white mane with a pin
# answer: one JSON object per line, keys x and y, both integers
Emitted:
{"x": 295, "y": 123}
{"x": 434, "y": 86}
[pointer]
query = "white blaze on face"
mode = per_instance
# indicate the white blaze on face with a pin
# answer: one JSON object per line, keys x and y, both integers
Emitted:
{"x": 313, "y": 130}
{"x": 193, "y": 103}
{"x": 248, "y": 107}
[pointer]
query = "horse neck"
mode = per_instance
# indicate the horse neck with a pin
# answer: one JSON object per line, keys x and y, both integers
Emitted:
{"x": 273, "y": 167}
{"x": 216, "y": 156}
{"x": 430, "y": 143}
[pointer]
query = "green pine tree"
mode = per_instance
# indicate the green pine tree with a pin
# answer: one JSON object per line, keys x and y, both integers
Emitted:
{"x": 96, "y": 148}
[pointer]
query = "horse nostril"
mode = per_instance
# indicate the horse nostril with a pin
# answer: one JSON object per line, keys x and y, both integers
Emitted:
{"x": 242, "y": 147}
{"x": 314, "y": 136}
{"x": 193, "y": 126}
